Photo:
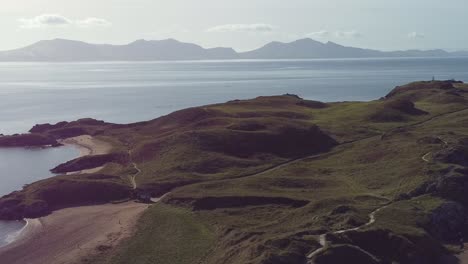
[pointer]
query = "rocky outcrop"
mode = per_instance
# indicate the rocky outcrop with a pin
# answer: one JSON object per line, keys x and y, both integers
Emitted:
{"x": 41, "y": 198}
{"x": 453, "y": 186}
{"x": 448, "y": 222}
{"x": 430, "y": 140}
{"x": 392, "y": 247}
{"x": 396, "y": 110}
{"x": 85, "y": 126}
{"x": 27, "y": 140}
{"x": 426, "y": 85}
{"x": 42, "y": 128}
{"x": 457, "y": 154}
{"x": 345, "y": 254}
{"x": 14, "y": 209}
{"x": 90, "y": 162}
{"x": 405, "y": 106}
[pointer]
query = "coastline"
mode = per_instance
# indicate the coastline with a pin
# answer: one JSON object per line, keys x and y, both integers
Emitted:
{"x": 87, "y": 146}
{"x": 66, "y": 236}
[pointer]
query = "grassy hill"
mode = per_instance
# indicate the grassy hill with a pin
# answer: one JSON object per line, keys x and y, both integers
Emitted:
{"x": 280, "y": 179}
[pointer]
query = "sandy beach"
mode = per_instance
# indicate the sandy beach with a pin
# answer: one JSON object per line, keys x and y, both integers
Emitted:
{"x": 70, "y": 235}
{"x": 88, "y": 145}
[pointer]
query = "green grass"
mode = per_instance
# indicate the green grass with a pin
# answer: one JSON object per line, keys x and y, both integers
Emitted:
{"x": 407, "y": 217}
{"x": 166, "y": 235}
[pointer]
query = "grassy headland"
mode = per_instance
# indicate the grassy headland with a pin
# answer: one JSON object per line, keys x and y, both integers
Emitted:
{"x": 262, "y": 180}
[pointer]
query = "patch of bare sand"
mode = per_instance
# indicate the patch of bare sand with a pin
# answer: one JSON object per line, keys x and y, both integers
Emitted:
{"x": 88, "y": 146}
{"x": 70, "y": 235}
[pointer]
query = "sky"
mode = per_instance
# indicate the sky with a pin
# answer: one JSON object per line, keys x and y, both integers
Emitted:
{"x": 241, "y": 24}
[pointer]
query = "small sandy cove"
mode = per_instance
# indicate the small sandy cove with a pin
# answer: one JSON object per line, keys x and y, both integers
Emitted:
{"x": 88, "y": 146}
{"x": 70, "y": 235}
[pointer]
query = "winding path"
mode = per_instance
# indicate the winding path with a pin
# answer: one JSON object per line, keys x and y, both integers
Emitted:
{"x": 323, "y": 238}
{"x": 372, "y": 216}
{"x": 425, "y": 157}
{"x": 135, "y": 166}
{"x": 133, "y": 177}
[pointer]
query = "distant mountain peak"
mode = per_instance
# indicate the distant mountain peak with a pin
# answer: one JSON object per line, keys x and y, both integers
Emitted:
{"x": 171, "y": 49}
{"x": 306, "y": 40}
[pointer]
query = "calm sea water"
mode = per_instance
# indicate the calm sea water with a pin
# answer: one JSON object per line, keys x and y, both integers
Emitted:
{"x": 22, "y": 166}
{"x": 32, "y": 93}
{"x": 126, "y": 92}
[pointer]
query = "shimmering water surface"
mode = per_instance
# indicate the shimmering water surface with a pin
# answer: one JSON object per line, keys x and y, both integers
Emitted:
{"x": 135, "y": 91}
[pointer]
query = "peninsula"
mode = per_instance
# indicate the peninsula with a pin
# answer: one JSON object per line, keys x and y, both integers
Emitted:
{"x": 275, "y": 179}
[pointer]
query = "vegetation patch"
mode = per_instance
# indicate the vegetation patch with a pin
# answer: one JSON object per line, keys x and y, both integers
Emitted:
{"x": 211, "y": 203}
{"x": 165, "y": 235}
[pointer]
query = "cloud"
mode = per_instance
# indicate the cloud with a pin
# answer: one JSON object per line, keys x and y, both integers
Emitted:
{"x": 45, "y": 20}
{"x": 416, "y": 35}
{"x": 93, "y": 22}
{"x": 319, "y": 34}
{"x": 56, "y": 20}
{"x": 348, "y": 34}
{"x": 255, "y": 28}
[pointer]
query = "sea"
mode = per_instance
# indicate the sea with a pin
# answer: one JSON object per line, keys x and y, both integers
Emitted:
{"x": 124, "y": 92}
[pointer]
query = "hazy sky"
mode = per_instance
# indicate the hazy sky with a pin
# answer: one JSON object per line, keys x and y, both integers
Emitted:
{"x": 242, "y": 24}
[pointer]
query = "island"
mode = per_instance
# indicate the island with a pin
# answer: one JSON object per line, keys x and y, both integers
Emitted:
{"x": 271, "y": 180}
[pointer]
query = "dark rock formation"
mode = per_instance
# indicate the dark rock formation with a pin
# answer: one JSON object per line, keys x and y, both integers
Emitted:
{"x": 41, "y": 128}
{"x": 312, "y": 104}
{"x": 448, "y": 221}
{"x": 342, "y": 209}
{"x": 85, "y": 126}
{"x": 392, "y": 247}
{"x": 457, "y": 154}
{"x": 430, "y": 140}
{"x": 345, "y": 254}
{"x": 405, "y": 106}
{"x": 27, "y": 140}
{"x": 57, "y": 194}
{"x": 453, "y": 186}
{"x": 90, "y": 162}
{"x": 395, "y": 110}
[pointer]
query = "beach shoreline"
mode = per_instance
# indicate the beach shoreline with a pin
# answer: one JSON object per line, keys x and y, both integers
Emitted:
{"x": 66, "y": 236}
{"x": 34, "y": 228}
{"x": 87, "y": 146}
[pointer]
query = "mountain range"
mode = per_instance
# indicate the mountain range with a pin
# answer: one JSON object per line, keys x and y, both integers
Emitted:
{"x": 171, "y": 49}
